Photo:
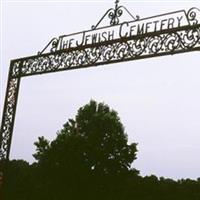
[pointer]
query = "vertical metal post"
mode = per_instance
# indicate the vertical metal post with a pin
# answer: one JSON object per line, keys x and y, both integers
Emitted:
{"x": 8, "y": 119}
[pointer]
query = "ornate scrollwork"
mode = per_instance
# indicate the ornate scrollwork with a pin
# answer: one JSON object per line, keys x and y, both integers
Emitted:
{"x": 153, "y": 45}
{"x": 191, "y": 38}
{"x": 137, "y": 47}
{"x": 52, "y": 46}
{"x": 114, "y": 14}
{"x": 8, "y": 117}
{"x": 171, "y": 42}
{"x": 122, "y": 50}
{"x": 16, "y": 68}
{"x": 193, "y": 16}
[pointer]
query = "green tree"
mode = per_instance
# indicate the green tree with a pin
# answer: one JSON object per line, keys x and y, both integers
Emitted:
{"x": 91, "y": 151}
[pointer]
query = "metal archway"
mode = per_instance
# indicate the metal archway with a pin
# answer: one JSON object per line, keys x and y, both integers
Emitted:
{"x": 126, "y": 47}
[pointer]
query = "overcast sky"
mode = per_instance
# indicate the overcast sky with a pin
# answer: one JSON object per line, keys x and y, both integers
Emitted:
{"x": 158, "y": 99}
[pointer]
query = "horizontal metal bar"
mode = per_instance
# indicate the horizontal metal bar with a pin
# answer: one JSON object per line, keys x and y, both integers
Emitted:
{"x": 115, "y": 61}
{"x": 110, "y": 42}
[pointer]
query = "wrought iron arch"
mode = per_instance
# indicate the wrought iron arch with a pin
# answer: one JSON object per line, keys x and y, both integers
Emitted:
{"x": 159, "y": 43}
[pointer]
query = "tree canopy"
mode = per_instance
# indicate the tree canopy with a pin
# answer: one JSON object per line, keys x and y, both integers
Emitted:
{"x": 95, "y": 139}
{"x": 93, "y": 146}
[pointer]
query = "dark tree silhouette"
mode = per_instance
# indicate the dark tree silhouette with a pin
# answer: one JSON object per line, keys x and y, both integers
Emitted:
{"x": 89, "y": 156}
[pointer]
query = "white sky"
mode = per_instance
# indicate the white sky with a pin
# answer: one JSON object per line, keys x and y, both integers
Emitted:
{"x": 157, "y": 99}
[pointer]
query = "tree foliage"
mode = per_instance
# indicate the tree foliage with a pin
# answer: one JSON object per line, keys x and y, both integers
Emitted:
{"x": 94, "y": 140}
{"x": 89, "y": 151}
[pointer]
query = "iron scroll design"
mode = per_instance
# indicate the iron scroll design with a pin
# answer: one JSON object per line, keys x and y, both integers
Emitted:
{"x": 9, "y": 115}
{"x": 193, "y": 18}
{"x": 114, "y": 14}
{"x": 144, "y": 46}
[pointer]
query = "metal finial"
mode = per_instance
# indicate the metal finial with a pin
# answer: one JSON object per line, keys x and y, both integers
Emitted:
{"x": 114, "y": 14}
{"x": 116, "y": 6}
{"x": 116, "y": 3}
